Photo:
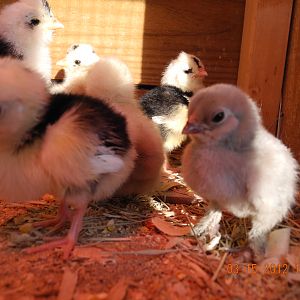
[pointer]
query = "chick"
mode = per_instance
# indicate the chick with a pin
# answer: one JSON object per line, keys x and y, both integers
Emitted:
{"x": 110, "y": 79}
{"x": 26, "y": 29}
{"x": 238, "y": 166}
{"x": 79, "y": 58}
{"x": 73, "y": 146}
{"x": 167, "y": 105}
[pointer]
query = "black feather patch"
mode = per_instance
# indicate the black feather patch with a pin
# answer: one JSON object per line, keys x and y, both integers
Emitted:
{"x": 197, "y": 61}
{"x": 47, "y": 6}
{"x": 163, "y": 101}
{"x": 188, "y": 94}
{"x": 8, "y": 49}
{"x": 92, "y": 115}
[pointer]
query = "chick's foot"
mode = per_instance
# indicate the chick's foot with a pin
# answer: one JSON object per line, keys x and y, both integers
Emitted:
{"x": 209, "y": 224}
{"x": 68, "y": 242}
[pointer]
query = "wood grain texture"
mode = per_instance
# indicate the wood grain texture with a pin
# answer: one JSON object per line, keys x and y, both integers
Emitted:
{"x": 263, "y": 54}
{"x": 290, "y": 126}
{"x": 209, "y": 29}
{"x": 147, "y": 34}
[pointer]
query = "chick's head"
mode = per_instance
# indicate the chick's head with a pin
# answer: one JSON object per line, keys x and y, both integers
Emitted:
{"x": 79, "y": 57}
{"x": 25, "y": 25}
{"x": 23, "y": 96}
{"x": 185, "y": 72}
{"x": 222, "y": 115}
{"x": 51, "y": 22}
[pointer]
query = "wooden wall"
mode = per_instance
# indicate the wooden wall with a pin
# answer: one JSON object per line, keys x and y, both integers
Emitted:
{"x": 147, "y": 34}
{"x": 290, "y": 125}
{"x": 210, "y": 29}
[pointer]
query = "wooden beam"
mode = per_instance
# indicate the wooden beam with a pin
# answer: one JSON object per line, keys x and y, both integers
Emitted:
{"x": 263, "y": 54}
{"x": 290, "y": 126}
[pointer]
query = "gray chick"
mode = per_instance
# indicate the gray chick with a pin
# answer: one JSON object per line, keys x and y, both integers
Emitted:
{"x": 237, "y": 165}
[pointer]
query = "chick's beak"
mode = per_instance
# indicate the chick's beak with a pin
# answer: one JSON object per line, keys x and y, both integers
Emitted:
{"x": 62, "y": 63}
{"x": 202, "y": 72}
{"x": 192, "y": 128}
{"x": 54, "y": 24}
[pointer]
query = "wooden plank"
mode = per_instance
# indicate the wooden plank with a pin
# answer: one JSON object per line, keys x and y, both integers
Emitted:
{"x": 263, "y": 53}
{"x": 290, "y": 126}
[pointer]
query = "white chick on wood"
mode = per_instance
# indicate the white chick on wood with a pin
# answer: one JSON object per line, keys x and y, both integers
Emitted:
{"x": 237, "y": 165}
{"x": 79, "y": 58}
{"x": 110, "y": 79}
{"x": 167, "y": 105}
{"x": 26, "y": 29}
{"x": 73, "y": 146}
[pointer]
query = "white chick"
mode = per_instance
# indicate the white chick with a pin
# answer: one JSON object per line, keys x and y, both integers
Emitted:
{"x": 26, "y": 29}
{"x": 79, "y": 58}
{"x": 73, "y": 146}
{"x": 110, "y": 79}
{"x": 238, "y": 166}
{"x": 167, "y": 105}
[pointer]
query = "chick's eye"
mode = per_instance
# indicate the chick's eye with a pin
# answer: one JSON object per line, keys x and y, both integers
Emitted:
{"x": 217, "y": 118}
{"x": 188, "y": 71}
{"x": 34, "y": 22}
{"x": 77, "y": 62}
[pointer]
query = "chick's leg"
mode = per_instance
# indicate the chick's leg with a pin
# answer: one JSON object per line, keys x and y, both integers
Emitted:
{"x": 79, "y": 202}
{"x": 58, "y": 222}
{"x": 209, "y": 224}
{"x": 262, "y": 224}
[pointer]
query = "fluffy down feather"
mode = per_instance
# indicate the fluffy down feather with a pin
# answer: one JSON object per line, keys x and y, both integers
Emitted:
{"x": 110, "y": 79}
{"x": 236, "y": 164}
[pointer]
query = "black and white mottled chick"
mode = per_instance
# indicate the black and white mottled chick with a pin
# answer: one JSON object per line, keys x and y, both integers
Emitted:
{"x": 73, "y": 146}
{"x": 237, "y": 165}
{"x": 26, "y": 29}
{"x": 167, "y": 105}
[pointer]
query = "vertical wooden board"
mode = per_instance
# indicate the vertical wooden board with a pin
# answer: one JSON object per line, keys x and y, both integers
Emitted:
{"x": 263, "y": 53}
{"x": 209, "y": 29}
{"x": 290, "y": 126}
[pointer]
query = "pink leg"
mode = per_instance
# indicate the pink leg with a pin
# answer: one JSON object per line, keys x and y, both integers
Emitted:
{"x": 62, "y": 216}
{"x": 69, "y": 241}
